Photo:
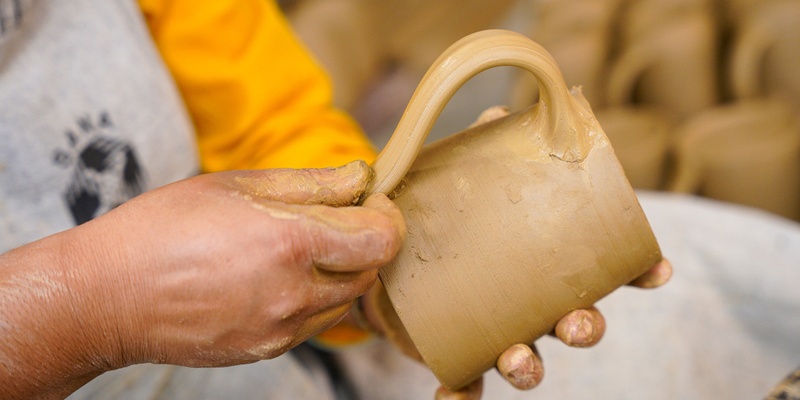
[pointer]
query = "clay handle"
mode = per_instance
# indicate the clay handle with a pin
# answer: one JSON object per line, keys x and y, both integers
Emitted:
{"x": 688, "y": 177}
{"x": 627, "y": 72}
{"x": 749, "y": 52}
{"x": 567, "y": 139}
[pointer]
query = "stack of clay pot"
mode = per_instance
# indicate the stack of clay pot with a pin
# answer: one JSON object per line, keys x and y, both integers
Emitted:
{"x": 697, "y": 96}
{"x": 360, "y": 41}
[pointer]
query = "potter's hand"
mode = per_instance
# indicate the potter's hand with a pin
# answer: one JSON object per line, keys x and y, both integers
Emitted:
{"x": 242, "y": 266}
{"x": 215, "y": 270}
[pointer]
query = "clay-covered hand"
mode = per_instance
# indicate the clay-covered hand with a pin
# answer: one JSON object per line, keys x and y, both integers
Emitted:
{"x": 215, "y": 270}
{"x": 242, "y": 266}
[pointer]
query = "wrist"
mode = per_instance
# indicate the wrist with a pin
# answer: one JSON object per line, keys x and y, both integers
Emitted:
{"x": 107, "y": 295}
{"x": 49, "y": 346}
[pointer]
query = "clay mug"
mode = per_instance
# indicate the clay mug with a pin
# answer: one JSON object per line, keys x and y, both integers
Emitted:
{"x": 642, "y": 140}
{"x": 746, "y": 153}
{"x": 667, "y": 57}
{"x": 578, "y": 34}
{"x": 732, "y": 11}
{"x": 510, "y": 224}
{"x": 766, "y": 51}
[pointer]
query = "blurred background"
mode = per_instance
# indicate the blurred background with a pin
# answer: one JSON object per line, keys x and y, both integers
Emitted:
{"x": 696, "y": 96}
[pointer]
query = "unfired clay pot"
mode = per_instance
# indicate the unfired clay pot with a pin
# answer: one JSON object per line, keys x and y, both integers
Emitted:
{"x": 578, "y": 34}
{"x": 511, "y": 224}
{"x": 359, "y": 41}
{"x": 746, "y": 153}
{"x": 766, "y": 51}
{"x": 642, "y": 139}
{"x": 668, "y": 56}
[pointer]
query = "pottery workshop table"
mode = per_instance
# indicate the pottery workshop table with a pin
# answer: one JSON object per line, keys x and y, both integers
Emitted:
{"x": 726, "y": 326}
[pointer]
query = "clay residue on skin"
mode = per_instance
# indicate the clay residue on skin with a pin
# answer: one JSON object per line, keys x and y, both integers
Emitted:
{"x": 581, "y": 328}
{"x": 519, "y": 366}
{"x": 276, "y": 212}
{"x": 310, "y": 186}
{"x": 310, "y": 216}
{"x": 270, "y": 349}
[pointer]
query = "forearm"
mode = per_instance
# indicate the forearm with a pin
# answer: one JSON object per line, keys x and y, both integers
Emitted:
{"x": 214, "y": 270}
{"x": 49, "y": 346}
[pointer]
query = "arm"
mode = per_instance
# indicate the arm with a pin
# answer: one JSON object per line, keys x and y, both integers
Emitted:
{"x": 216, "y": 270}
{"x": 44, "y": 336}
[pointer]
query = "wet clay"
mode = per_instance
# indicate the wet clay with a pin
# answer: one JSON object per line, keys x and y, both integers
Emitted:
{"x": 309, "y": 186}
{"x": 510, "y": 224}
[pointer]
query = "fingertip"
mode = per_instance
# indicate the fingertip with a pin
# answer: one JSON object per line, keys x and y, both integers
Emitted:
{"x": 657, "y": 276}
{"x": 367, "y": 280}
{"x": 491, "y": 114}
{"x": 380, "y": 202}
{"x": 581, "y": 328}
{"x": 472, "y": 391}
{"x": 356, "y": 238}
{"x": 521, "y": 366}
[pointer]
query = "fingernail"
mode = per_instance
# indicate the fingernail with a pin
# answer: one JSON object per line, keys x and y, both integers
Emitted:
{"x": 520, "y": 367}
{"x": 583, "y": 331}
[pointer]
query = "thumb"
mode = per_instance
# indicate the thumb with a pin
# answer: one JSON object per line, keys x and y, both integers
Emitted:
{"x": 340, "y": 186}
{"x": 355, "y": 238}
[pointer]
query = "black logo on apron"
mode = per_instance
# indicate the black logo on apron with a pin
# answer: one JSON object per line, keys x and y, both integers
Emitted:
{"x": 106, "y": 171}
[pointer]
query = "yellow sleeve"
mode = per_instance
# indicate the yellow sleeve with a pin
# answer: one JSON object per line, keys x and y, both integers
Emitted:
{"x": 255, "y": 96}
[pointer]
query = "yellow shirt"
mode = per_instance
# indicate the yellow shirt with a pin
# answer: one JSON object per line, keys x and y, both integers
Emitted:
{"x": 255, "y": 96}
